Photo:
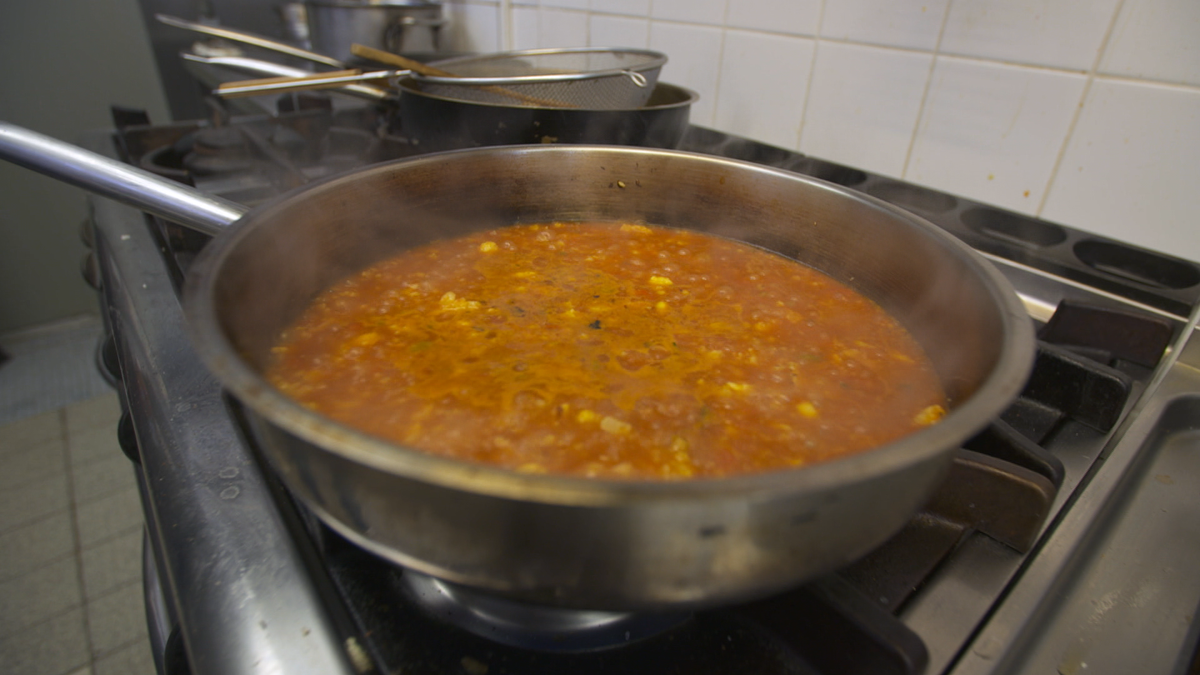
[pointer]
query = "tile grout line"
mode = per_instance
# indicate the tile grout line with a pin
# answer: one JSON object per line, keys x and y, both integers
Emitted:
{"x": 1078, "y": 112}
{"x": 9, "y": 528}
{"x": 50, "y": 561}
{"x": 650, "y": 24}
{"x": 933, "y": 62}
{"x": 505, "y": 29}
{"x": 935, "y": 51}
{"x": 78, "y": 547}
{"x": 141, "y": 637}
{"x": 808, "y": 84}
{"x": 105, "y": 495}
{"x": 724, "y": 28}
{"x": 123, "y": 646}
{"x": 114, "y": 536}
{"x": 120, "y": 587}
{"x": 46, "y": 620}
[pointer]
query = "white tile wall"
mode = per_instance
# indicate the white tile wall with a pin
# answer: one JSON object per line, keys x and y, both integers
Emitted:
{"x": 1055, "y": 33}
{"x": 474, "y": 27}
{"x": 992, "y": 131}
{"x": 563, "y": 28}
{"x": 763, "y": 82}
{"x": 526, "y": 27}
{"x": 700, "y": 11}
{"x": 798, "y": 17}
{"x": 694, "y": 54}
{"x": 914, "y": 24}
{"x": 863, "y": 105}
{"x": 1084, "y": 112}
{"x": 629, "y": 7}
{"x": 618, "y": 31}
{"x": 573, "y": 4}
{"x": 1132, "y": 166}
{"x": 1157, "y": 40}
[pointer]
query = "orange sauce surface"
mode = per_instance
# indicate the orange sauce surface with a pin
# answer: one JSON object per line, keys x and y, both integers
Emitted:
{"x": 608, "y": 350}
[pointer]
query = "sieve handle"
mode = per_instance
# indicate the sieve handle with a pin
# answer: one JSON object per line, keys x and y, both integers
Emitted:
{"x": 329, "y": 80}
{"x": 388, "y": 58}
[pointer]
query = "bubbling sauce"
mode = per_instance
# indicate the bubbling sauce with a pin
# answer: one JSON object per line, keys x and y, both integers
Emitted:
{"x": 608, "y": 350}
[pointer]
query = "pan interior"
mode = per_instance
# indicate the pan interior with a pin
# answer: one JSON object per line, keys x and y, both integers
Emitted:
{"x": 287, "y": 254}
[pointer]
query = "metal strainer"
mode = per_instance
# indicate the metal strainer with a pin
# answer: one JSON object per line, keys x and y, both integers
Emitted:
{"x": 594, "y": 79}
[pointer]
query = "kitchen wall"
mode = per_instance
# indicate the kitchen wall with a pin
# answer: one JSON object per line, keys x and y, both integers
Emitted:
{"x": 1082, "y": 112}
{"x": 66, "y": 62}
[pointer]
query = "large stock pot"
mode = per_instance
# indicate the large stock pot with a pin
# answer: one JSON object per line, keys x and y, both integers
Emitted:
{"x": 566, "y": 541}
{"x": 397, "y": 26}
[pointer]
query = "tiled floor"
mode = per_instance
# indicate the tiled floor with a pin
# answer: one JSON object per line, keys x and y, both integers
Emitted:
{"x": 51, "y": 366}
{"x": 70, "y": 545}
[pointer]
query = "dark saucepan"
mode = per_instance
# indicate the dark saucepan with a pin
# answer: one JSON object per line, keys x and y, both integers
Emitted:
{"x": 439, "y": 123}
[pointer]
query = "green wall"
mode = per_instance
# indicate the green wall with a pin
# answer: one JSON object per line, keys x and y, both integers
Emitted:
{"x": 64, "y": 62}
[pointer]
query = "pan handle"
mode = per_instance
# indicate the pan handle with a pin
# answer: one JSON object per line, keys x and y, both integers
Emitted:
{"x": 250, "y": 39}
{"x": 328, "y": 80}
{"x": 153, "y": 194}
{"x": 267, "y": 69}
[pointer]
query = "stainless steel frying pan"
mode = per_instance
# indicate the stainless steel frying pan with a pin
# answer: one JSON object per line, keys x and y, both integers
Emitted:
{"x": 567, "y": 541}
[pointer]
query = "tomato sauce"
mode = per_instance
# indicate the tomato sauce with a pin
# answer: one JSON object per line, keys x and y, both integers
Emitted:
{"x": 608, "y": 350}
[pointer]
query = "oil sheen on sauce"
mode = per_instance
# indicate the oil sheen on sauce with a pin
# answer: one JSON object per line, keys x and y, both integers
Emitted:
{"x": 608, "y": 350}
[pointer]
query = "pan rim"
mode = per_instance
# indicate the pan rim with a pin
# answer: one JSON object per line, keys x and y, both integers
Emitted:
{"x": 1003, "y": 382}
{"x": 406, "y": 89}
{"x": 652, "y": 60}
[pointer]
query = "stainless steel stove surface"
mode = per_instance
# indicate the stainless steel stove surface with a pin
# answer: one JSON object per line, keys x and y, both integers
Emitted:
{"x": 1064, "y": 540}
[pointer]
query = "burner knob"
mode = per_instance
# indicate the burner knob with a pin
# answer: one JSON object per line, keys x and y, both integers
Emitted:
{"x": 90, "y": 270}
{"x": 127, "y": 439}
{"x": 107, "y": 361}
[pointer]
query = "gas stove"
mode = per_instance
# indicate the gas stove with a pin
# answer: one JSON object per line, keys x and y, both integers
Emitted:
{"x": 1063, "y": 539}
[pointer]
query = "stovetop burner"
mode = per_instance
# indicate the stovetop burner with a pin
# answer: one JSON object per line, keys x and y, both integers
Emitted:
{"x": 1107, "y": 321}
{"x": 531, "y": 627}
{"x": 823, "y": 628}
{"x": 255, "y": 159}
